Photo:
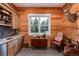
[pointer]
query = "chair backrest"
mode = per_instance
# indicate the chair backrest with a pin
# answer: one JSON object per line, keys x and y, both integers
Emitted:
{"x": 59, "y": 35}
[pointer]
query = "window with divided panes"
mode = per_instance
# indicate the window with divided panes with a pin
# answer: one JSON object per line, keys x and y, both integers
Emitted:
{"x": 39, "y": 24}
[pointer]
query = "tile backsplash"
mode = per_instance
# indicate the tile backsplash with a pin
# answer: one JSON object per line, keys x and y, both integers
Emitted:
{"x": 6, "y": 31}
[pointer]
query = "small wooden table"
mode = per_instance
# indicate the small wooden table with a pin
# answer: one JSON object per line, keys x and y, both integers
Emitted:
{"x": 39, "y": 43}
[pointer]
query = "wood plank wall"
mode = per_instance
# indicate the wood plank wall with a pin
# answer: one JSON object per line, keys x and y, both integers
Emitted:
{"x": 59, "y": 22}
{"x": 71, "y": 29}
{"x": 56, "y": 20}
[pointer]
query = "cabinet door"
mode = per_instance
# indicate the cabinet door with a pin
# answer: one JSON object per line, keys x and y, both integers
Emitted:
{"x": 20, "y": 39}
{"x": 10, "y": 48}
{"x": 13, "y": 47}
{"x": 16, "y": 47}
{"x": 15, "y": 20}
{"x": 10, "y": 51}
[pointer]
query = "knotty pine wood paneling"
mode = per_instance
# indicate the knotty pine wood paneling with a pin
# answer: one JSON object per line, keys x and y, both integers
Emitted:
{"x": 71, "y": 29}
{"x": 56, "y": 21}
{"x": 59, "y": 22}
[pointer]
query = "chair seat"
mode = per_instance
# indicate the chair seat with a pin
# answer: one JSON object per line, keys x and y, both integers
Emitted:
{"x": 56, "y": 43}
{"x": 58, "y": 38}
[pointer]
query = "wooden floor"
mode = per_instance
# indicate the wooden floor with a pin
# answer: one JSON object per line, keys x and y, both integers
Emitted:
{"x": 31, "y": 52}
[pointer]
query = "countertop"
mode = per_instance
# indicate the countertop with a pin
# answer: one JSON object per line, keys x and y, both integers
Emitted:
{"x": 3, "y": 41}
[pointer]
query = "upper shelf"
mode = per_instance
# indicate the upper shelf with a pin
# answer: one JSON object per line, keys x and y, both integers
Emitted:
{"x": 5, "y": 12}
{"x": 5, "y": 17}
{"x": 5, "y": 25}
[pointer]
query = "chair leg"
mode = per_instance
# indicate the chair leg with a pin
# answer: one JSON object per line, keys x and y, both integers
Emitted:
{"x": 59, "y": 49}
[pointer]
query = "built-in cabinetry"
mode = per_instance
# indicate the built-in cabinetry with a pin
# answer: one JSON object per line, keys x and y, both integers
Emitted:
{"x": 21, "y": 42}
{"x": 5, "y": 17}
{"x": 12, "y": 47}
{"x": 9, "y": 20}
{"x": 11, "y": 16}
{"x": 15, "y": 20}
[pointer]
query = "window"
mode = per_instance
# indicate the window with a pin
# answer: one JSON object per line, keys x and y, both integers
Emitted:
{"x": 39, "y": 24}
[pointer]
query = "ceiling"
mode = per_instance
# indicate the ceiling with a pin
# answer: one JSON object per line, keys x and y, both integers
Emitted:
{"x": 39, "y": 4}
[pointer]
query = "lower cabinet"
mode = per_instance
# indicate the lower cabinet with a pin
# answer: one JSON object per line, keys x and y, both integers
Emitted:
{"x": 21, "y": 42}
{"x": 10, "y": 51}
{"x": 10, "y": 48}
{"x": 14, "y": 46}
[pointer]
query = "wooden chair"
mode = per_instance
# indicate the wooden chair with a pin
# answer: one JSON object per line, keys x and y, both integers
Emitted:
{"x": 57, "y": 41}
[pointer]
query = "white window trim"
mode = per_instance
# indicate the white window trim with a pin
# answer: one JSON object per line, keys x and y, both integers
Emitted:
{"x": 39, "y": 15}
